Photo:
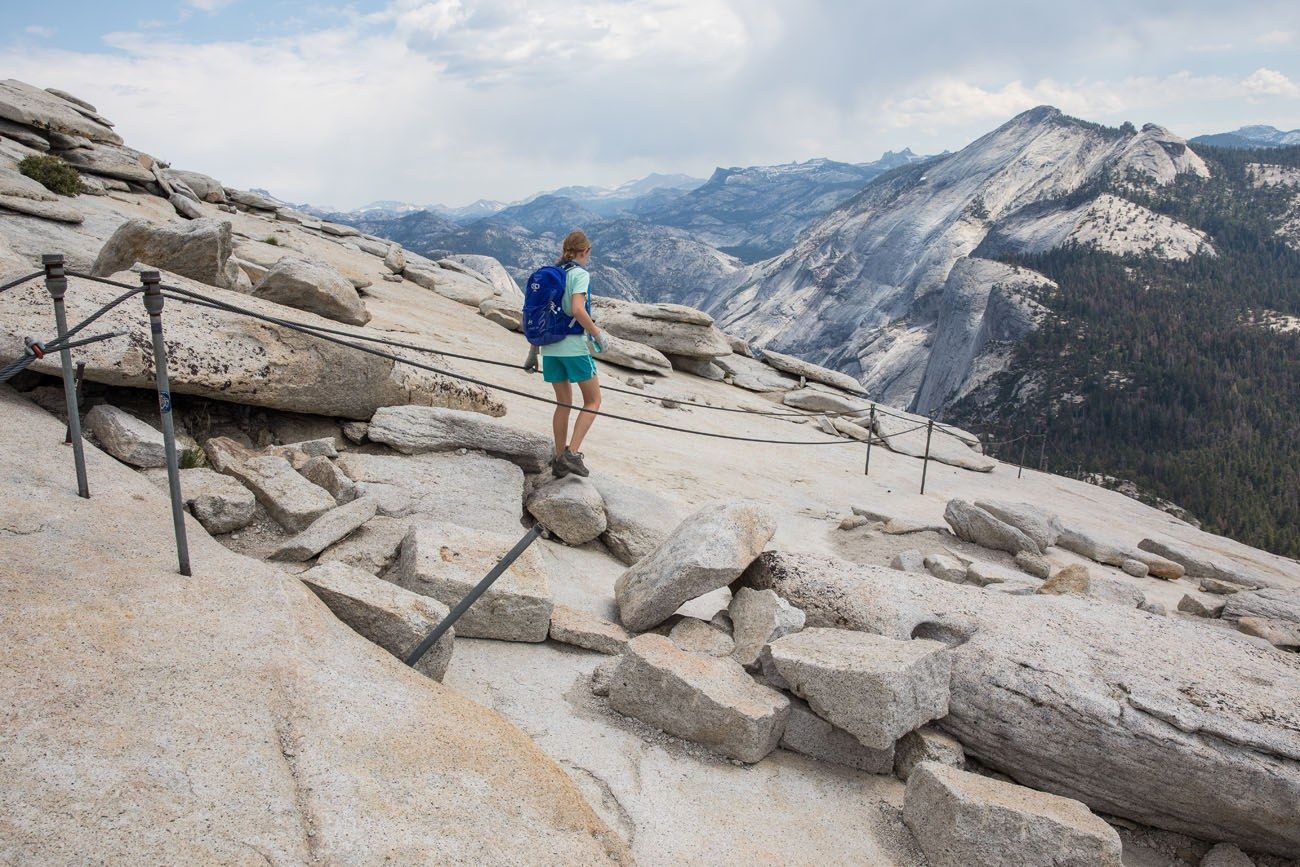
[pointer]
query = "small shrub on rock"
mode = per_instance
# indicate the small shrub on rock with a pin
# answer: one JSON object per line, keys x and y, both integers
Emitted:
{"x": 53, "y": 174}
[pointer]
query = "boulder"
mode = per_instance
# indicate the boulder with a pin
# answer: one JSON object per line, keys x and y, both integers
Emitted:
{"x": 701, "y": 367}
{"x": 472, "y": 490}
{"x": 290, "y": 499}
{"x": 874, "y": 687}
{"x": 463, "y": 289}
{"x": 669, "y": 313}
{"x": 112, "y": 161}
{"x": 1273, "y": 603}
{"x": 753, "y": 375}
{"x": 907, "y": 436}
{"x": 637, "y": 520}
{"x": 32, "y": 107}
{"x": 1136, "y": 568}
{"x": 1034, "y": 564}
{"x": 602, "y": 676}
{"x": 960, "y": 819}
{"x": 320, "y": 470}
{"x": 1157, "y": 566}
{"x": 1226, "y": 855}
{"x": 224, "y": 454}
{"x": 508, "y": 314}
{"x": 198, "y": 249}
{"x": 414, "y": 430}
{"x": 445, "y": 561}
{"x": 666, "y": 336}
{"x": 1077, "y": 580}
{"x": 395, "y": 619}
{"x": 973, "y": 524}
{"x": 155, "y": 718}
{"x": 208, "y": 189}
{"x": 851, "y": 429}
{"x": 1083, "y": 699}
{"x": 815, "y": 372}
{"x": 395, "y": 259}
{"x": 24, "y": 135}
{"x": 946, "y": 568}
{"x": 926, "y": 744}
{"x": 338, "y": 230}
{"x": 314, "y": 287}
{"x": 810, "y": 735}
{"x": 632, "y": 355}
{"x": 190, "y": 210}
{"x": 1189, "y": 604}
{"x": 759, "y": 617}
{"x": 852, "y": 522}
{"x": 494, "y": 273}
{"x": 739, "y": 346}
{"x": 329, "y": 528}
{"x": 707, "y": 700}
{"x": 815, "y": 400}
{"x": 248, "y": 199}
{"x": 1197, "y": 564}
{"x": 1219, "y": 588}
{"x": 355, "y": 431}
{"x": 44, "y": 209}
{"x": 910, "y": 560}
{"x": 372, "y": 548}
{"x": 570, "y": 507}
{"x": 586, "y": 630}
{"x": 220, "y": 503}
{"x": 213, "y": 353}
{"x": 1279, "y": 633}
{"x": 1039, "y": 525}
{"x": 708, "y": 550}
{"x": 125, "y": 437}
{"x": 696, "y": 636}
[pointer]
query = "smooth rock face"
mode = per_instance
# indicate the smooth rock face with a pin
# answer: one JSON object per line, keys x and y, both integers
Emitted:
{"x": 808, "y": 370}
{"x": 974, "y": 524}
{"x": 571, "y": 508}
{"x": 1077, "y": 580}
{"x": 445, "y": 561}
{"x": 760, "y": 617}
{"x": 32, "y": 107}
{"x": 584, "y": 629}
{"x": 696, "y": 636}
{"x": 329, "y": 528}
{"x": 417, "y": 429}
{"x": 1080, "y": 699}
{"x": 290, "y": 499}
{"x": 632, "y": 355}
{"x": 198, "y": 249}
{"x": 1040, "y": 526}
{"x": 706, "y": 551}
{"x": 809, "y": 734}
{"x": 392, "y": 617}
{"x": 472, "y": 490}
{"x": 221, "y": 504}
{"x": 813, "y": 400}
{"x": 231, "y": 706}
{"x": 125, "y": 437}
{"x": 926, "y": 744}
{"x": 314, "y": 287}
{"x": 216, "y": 354}
{"x": 876, "y": 688}
{"x": 962, "y": 819}
{"x": 708, "y": 700}
{"x": 637, "y": 520}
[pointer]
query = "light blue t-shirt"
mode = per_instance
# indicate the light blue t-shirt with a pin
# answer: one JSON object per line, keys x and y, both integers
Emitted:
{"x": 576, "y": 282}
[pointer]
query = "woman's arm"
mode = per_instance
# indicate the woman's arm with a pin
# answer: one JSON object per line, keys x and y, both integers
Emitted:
{"x": 579, "y": 303}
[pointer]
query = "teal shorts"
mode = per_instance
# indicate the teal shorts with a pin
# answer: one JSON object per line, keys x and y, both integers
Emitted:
{"x": 568, "y": 368}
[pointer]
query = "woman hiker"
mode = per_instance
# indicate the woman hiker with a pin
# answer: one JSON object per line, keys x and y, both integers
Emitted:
{"x": 569, "y": 362}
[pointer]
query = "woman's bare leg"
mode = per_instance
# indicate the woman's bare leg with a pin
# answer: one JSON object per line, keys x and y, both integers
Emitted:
{"x": 560, "y": 421}
{"x": 590, "y": 403}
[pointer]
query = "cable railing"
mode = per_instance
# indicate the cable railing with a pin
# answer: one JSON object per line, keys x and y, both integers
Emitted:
{"x": 156, "y": 294}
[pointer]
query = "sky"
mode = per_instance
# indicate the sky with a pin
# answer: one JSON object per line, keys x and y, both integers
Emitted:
{"x": 449, "y": 101}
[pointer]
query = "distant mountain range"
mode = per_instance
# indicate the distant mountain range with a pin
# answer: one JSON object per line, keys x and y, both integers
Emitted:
{"x": 1251, "y": 137}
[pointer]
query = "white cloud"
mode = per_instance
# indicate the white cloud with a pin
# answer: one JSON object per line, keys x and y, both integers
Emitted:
{"x": 208, "y": 5}
{"x": 37, "y": 30}
{"x": 1270, "y": 82}
{"x": 1276, "y": 38}
{"x": 950, "y": 102}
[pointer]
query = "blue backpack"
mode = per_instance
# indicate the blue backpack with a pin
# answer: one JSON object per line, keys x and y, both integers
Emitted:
{"x": 544, "y": 319}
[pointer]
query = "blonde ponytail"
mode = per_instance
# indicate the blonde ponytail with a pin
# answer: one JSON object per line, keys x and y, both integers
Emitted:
{"x": 575, "y": 244}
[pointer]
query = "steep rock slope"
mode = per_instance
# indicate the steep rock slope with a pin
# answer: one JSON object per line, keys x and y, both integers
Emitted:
{"x": 863, "y": 289}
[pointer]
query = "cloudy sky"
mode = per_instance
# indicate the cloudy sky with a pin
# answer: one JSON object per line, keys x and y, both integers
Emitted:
{"x": 452, "y": 100}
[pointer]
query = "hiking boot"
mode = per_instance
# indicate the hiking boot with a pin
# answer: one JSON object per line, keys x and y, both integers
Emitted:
{"x": 558, "y": 469}
{"x": 573, "y": 463}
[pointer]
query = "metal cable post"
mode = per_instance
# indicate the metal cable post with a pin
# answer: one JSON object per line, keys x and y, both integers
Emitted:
{"x": 871, "y": 432}
{"x": 925, "y": 463}
{"x": 153, "y": 305}
{"x": 56, "y": 281}
{"x": 1024, "y": 444}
